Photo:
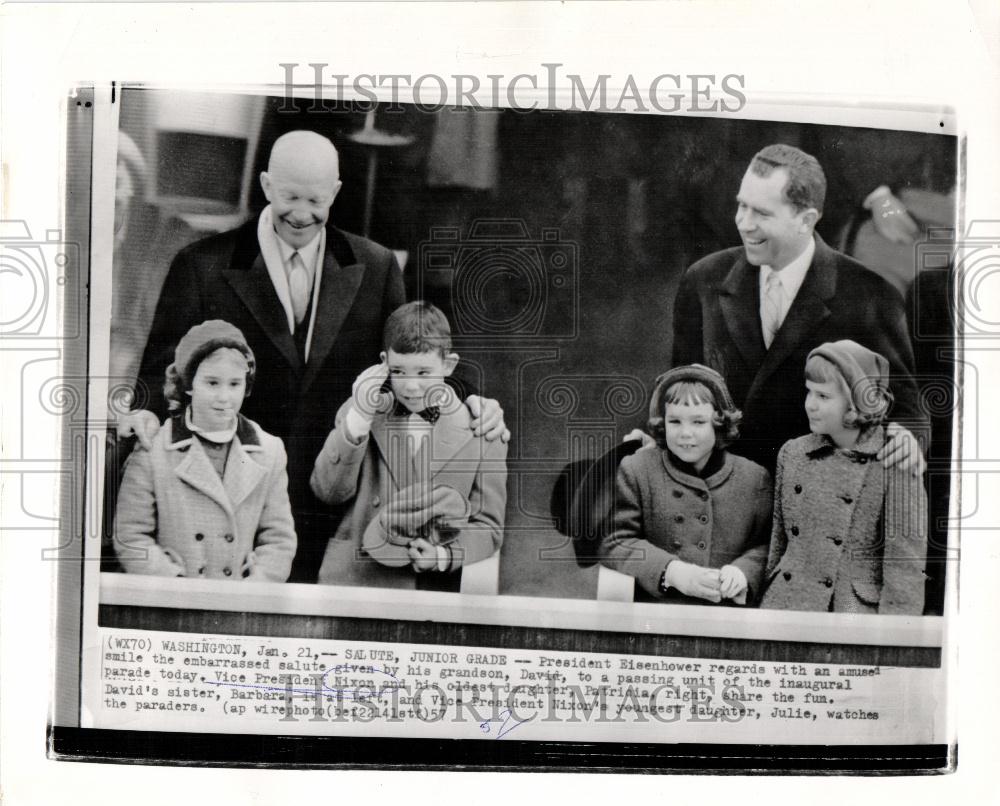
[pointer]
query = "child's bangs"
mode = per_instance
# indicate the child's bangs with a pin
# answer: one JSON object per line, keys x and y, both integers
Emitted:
{"x": 689, "y": 393}
{"x": 822, "y": 370}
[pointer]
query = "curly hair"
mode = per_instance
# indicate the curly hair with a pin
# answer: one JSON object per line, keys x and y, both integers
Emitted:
{"x": 693, "y": 393}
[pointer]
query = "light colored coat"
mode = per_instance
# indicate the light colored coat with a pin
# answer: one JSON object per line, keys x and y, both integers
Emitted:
{"x": 177, "y": 517}
{"x": 662, "y": 514}
{"x": 848, "y": 535}
{"x": 365, "y": 477}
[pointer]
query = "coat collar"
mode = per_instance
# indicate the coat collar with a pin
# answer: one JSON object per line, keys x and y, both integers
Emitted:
{"x": 449, "y": 435}
{"x": 341, "y": 278}
{"x": 181, "y": 436}
{"x": 869, "y": 443}
{"x": 681, "y": 476}
{"x": 243, "y": 472}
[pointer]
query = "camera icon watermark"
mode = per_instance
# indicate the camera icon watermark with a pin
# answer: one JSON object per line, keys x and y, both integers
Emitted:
{"x": 973, "y": 261}
{"x": 502, "y": 284}
{"x": 34, "y": 274}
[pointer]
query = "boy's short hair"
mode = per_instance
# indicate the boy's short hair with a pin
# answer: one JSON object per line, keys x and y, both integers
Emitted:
{"x": 417, "y": 327}
{"x": 806, "y": 185}
{"x": 820, "y": 369}
{"x": 694, "y": 384}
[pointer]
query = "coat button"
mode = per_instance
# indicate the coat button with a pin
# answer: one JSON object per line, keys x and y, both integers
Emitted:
{"x": 678, "y": 518}
{"x": 798, "y": 488}
{"x": 227, "y": 571}
{"x": 838, "y": 541}
{"x": 376, "y": 501}
{"x": 795, "y": 531}
{"x": 703, "y": 518}
{"x": 201, "y": 570}
{"x": 230, "y": 538}
{"x": 678, "y": 493}
{"x": 701, "y": 545}
{"x": 703, "y": 495}
{"x": 199, "y": 536}
{"x": 828, "y": 582}
{"x": 787, "y": 575}
{"x": 848, "y": 499}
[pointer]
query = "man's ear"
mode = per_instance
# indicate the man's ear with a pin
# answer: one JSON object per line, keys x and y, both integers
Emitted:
{"x": 810, "y": 218}
{"x": 450, "y": 362}
{"x": 382, "y": 357}
{"x": 336, "y": 190}
{"x": 265, "y": 184}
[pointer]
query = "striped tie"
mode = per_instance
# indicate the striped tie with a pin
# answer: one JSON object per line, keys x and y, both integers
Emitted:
{"x": 773, "y": 305}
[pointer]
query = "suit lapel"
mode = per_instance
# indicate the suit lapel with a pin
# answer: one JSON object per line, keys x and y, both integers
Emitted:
{"x": 254, "y": 287}
{"x": 338, "y": 287}
{"x": 807, "y": 312}
{"x": 739, "y": 301}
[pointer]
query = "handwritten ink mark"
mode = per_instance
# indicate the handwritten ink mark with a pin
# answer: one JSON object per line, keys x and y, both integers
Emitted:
{"x": 506, "y": 721}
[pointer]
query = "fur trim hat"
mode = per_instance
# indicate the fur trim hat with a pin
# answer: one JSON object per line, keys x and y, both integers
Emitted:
{"x": 865, "y": 371}
{"x": 695, "y": 373}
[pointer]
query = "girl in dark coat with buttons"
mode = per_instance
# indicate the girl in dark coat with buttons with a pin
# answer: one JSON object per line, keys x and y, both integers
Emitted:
{"x": 210, "y": 499}
{"x": 849, "y": 535}
{"x": 691, "y": 521}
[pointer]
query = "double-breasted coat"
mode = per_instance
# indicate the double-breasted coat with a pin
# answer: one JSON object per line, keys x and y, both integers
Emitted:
{"x": 176, "y": 516}
{"x": 848, "y": 535}
{"x": 663, "y": 514}
{"x": 366, "y": 477}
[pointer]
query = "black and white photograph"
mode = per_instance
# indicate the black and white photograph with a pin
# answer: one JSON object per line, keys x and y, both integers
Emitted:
{"x": 512, "y": 420}
{"x": 509, "y": 384}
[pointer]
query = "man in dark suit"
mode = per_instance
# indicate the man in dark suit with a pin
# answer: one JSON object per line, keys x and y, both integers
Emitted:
{"x": 754, "y": 312}
{"x": 311, "y": 301}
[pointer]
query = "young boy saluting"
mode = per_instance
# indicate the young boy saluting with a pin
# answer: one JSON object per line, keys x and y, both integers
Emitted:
{"x": 423, "y": 494}
{"x": 849, "y": 534}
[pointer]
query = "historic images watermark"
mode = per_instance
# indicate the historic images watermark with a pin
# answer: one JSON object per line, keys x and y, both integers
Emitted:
{"x": 666, "y": 92}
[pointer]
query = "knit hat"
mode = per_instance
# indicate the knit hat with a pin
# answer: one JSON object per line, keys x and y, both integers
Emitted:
{"x": 866, "y": 373}
{"x": 203, "y": 340}
{"x": 695, "y": 373}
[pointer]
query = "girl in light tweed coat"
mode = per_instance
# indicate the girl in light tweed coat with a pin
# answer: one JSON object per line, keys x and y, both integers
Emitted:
{"x": 210, "y": 498}
{"x": 849, "y": 535}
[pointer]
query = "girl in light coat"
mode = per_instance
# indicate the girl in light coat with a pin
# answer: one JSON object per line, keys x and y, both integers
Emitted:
{"x": 210, "y": 498}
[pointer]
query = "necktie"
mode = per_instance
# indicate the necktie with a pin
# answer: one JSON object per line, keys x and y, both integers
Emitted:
{"x": 770, "y": 319}
{"x": 298, "y": 285}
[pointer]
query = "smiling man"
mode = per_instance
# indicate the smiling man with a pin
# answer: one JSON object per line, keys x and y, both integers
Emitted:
{"x": 310, "y": 299}
{"x": 754, "y": 312}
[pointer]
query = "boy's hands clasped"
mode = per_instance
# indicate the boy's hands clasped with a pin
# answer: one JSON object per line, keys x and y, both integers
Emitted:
{"x": 711, "y": 584}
